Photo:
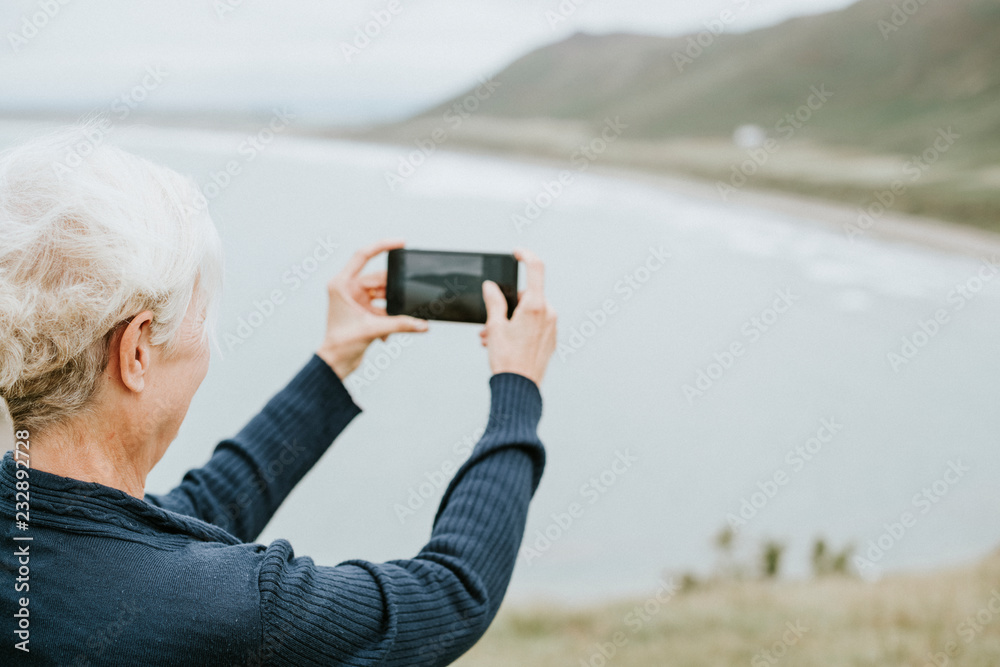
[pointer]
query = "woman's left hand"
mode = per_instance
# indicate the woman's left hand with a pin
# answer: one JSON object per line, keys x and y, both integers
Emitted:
{"x": 352, "y": 322}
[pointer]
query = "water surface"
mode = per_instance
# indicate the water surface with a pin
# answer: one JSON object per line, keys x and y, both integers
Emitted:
{"x": 641, "y": 472}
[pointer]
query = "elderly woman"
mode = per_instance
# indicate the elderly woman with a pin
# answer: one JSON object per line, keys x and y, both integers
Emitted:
{"x": 109, "y": 277}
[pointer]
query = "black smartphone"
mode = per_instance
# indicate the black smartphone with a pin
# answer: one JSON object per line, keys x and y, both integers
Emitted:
{"x": 445, "y": 285}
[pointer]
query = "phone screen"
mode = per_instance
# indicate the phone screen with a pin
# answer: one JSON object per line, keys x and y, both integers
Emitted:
{"x": 445, "y": 285}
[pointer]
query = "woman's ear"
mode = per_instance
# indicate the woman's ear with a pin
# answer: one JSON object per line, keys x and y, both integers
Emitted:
{"x": 134, "y": 350}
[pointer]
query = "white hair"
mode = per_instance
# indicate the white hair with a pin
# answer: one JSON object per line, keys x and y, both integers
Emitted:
{"x": 89, "y": 236}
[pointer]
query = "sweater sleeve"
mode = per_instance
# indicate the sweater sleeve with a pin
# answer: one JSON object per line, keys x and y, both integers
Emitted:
{"x": 251, "y": 474}
{"x": 429, "y": 609}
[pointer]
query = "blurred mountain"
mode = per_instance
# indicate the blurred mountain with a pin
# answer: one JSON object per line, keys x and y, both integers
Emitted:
{"x": 895, "y": 74}
{"x": 891, "y": 77}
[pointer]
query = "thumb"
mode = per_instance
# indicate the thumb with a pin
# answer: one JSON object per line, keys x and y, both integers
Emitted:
{"x": 496, "y": 303}
{"x": 397, "y": 324}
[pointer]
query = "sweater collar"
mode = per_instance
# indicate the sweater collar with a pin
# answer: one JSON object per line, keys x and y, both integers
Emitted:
{"x": 70, "y": 504}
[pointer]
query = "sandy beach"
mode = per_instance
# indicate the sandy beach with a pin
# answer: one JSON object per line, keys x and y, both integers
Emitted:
{"x": 892, "y": 226}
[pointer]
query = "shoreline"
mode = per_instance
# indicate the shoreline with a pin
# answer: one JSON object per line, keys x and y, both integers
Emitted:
{"x": 891, "y": 227}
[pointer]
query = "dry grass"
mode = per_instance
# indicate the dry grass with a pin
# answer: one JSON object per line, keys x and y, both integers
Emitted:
{"x": 901, "y": 620}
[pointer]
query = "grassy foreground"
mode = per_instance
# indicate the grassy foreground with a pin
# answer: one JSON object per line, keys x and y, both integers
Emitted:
{"x": 911, "y": 620}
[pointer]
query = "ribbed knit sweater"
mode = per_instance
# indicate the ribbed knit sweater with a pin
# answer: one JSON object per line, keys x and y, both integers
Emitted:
{"x": 177, "y": 579}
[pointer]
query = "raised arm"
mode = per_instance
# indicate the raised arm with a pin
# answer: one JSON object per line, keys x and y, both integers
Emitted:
{"x": 429, "y": 609}
{"x": 250, "y": 475}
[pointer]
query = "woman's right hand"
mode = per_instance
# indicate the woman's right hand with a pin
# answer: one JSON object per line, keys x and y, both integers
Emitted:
{"x": 524, "y": 343}
{"x": 352, "y": 322}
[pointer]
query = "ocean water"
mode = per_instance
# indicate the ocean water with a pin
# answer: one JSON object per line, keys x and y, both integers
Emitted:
{"x": 718, "y": 365}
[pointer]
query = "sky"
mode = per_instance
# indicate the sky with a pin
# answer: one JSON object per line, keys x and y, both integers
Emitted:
{"x": 312, "y": 55}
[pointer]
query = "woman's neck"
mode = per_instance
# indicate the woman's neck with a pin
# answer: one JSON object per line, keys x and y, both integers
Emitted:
{"x": 91, "y": 455}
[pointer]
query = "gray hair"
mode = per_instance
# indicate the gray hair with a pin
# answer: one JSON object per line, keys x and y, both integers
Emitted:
{"x": 89, "y": 236}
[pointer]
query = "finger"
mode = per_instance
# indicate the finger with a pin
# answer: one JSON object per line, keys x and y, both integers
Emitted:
{"x": 496, "y": 304}
{"x": 552, "y": 333}
{"x": 374, "y": 280}
{"x": 362, "y": 256}
{"x": 375, "y": 310}
{"x": 398, "y": 324}
{"x": 535, "y": 268}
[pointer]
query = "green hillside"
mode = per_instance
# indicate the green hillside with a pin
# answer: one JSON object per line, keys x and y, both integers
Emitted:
{"x": 894, "y": 78}
{"x": 941, "y": 67}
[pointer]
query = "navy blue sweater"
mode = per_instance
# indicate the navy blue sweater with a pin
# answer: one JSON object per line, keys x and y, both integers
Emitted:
{"x": 177, "y": 579}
